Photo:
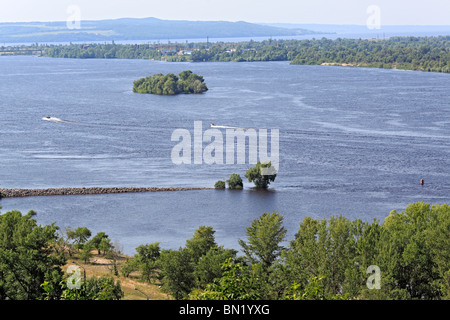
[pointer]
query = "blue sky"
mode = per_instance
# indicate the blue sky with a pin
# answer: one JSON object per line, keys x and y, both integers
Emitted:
{"x": 392, "y": 12}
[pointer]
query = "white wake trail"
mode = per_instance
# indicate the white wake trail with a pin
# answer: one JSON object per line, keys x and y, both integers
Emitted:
{"x": 227, "y": 127}
{"x": 54, "y": 119}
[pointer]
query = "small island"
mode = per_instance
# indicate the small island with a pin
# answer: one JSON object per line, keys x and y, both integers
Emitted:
{"x": 171, "y": 84}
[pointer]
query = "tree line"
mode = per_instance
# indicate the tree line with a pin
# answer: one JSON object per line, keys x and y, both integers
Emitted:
{"x": 411, "y": 53}
{"x": 330, "y": 258}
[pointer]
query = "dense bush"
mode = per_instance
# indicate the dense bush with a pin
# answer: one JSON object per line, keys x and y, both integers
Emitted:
{"x": 235, "y": 181}
{"x": 219, "y": 184}
{"x": 170, "y": 84}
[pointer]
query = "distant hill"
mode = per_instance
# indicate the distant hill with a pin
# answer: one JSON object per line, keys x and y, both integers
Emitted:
{"x": 137, "y": 29}
{"x": 363, "y": 29}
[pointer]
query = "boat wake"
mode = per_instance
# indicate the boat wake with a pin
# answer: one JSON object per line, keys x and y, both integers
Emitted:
{"x": 212, "y": 125}
{"x": 53, "y": 119}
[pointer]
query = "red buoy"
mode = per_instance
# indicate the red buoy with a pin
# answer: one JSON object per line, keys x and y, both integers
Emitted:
{"x": 421, "y": 181}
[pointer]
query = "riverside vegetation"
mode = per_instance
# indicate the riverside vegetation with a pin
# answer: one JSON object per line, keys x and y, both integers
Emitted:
{"x": 411, "y": 53}
{"x": 327, "y": 259}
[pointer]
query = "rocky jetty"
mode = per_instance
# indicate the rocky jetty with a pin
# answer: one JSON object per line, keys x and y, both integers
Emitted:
{"x": 12, "y": 193}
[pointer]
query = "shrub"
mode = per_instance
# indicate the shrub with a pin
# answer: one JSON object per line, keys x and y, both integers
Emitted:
{"x": 235, "y": 181}
{"x": 220, "y": 184}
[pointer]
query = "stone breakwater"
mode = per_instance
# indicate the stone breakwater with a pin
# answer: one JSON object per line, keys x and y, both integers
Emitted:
{"x": 13, "y": 193}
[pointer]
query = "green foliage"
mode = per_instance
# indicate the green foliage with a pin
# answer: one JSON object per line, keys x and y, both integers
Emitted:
{"x": 220, "y": 184}
{"x": 79, "y": 236}
{"x": 208, "y": 268}
{"x": 177, "y": 272}
{"x": 170, "y": 84}
{"x": 202, "y": 241}
{"x": 314, "y": 290}
{"x": 416, "y": 250}
{"x": 103, "y": 288}
{"x": 235, "y": 181}
{"x": 410, "y": 248}
{"x": 264, "y": 237}
{"x": 328, "y": 259}
{"x": 412, "y": 53}
{"x": 129, "y": 266}
{"x": 236, "y": 283}
{"x": 101, "y": 242}
{"x": 260, "y": 178}
{"x": 27, "y": 258}
{"x": 85, "y": 254}
{"x": 147, "y": 260}
{"x": 193, "y": 266}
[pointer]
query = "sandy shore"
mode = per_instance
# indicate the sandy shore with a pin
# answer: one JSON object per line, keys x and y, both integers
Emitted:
{"x": 12, "y": 193}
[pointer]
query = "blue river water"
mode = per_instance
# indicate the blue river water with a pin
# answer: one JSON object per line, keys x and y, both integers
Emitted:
{"x": 352, "y": 141}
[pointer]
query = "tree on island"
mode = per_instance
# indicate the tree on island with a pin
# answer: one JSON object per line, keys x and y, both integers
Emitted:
{"x": 171, "y": 84}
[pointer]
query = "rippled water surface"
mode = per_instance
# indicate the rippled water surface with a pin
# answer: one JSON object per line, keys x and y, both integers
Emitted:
{"x": 353, "y": 141}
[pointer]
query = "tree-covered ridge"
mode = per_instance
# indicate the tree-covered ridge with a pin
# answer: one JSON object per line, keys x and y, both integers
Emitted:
{"x": 170, "y": 84}
{"x": 412, "y": 53}
{"x": 424, "y": 54}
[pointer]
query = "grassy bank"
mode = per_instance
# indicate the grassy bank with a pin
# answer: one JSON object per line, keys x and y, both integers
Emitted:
{"x": 99, "y": 266}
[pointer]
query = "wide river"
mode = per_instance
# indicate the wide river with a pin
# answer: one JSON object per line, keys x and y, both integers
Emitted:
{"x": 352, "y": 141}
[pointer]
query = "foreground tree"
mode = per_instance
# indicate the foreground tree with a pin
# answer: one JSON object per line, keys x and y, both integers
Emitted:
{"x": 202, "y": 241}
{"x": 147, "y": 260}
{"x": 177, "y": 272}
{"x": 208, "y": 268}
{"x": 264, "y": 237}
{"x": 237, "y": 282}
{"x": 27, "y": 258}
{"x": 415, "y": 253}
{"x": 103, "y": 288}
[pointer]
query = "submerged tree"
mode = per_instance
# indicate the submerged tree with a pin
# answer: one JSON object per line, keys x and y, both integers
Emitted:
{"x": 235, "y": 181}
{"x": 262, "y": 174}
{"x": 220, "y": 184}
